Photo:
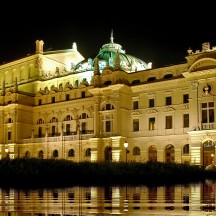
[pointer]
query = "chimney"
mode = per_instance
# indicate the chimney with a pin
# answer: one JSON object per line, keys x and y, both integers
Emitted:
{"x": 39, "y": 46}
{"x": 205, "y": 46}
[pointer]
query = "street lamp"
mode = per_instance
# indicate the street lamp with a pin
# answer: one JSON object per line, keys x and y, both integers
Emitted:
{"x": 7, "y": 152}
{"x": 126, "y": 150}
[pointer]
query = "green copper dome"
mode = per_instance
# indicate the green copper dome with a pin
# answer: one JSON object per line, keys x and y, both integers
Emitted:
{"x": 107, "y": 57}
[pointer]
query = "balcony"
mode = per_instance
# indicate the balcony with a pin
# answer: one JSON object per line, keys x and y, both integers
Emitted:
{"x": 68, "y": 136}
{"x": 208, "y": 126}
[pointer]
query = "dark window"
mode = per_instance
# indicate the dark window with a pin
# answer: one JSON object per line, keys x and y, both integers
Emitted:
{"x": 151, "y": 102}
{"x": 88, "y": 152}
{"x": 167, "y": 76}
{"x": 186, "y": 149}
{"x": 108, "y": 107}
{"x": 186, "y": 120}
{"x": 136, "y": 125}
{"x": 135, "y": 105}
{"x": 208, "y": 112}
{"x": 168, "y": 122}
{"x": 9, "y": 120}
{"x": 53, "y": 130}
{"x": 108, "y": 126}
{"x": 71, "y": 153}
{"x": 53, "y": 99}
{"x": 67, "y": 129}
{"x": 168, "y": 100}
{"x": 136, "y": 151}
{"x": 9, "y": 135}
{"x": 40, "y": 132}
{"x": 185, "y": 98}
{"x": 135, "y": 82}
{"x": 107, "y": 83}
{"x": 83, "y": 94}
{"x": 39, "y": 102}
{"x": 150, "y": 79}
{"x": 83, "y": 127}
{"x": 67, "y": 97}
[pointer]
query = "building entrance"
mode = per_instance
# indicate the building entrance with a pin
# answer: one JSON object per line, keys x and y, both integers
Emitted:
{"x": 208, "y": 152}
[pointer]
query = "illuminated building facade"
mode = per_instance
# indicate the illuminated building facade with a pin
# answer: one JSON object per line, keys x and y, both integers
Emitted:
{"x": 57, "y": 104}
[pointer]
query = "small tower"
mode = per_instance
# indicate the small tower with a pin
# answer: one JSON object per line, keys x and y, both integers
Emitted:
{"x": 39, "y": 46}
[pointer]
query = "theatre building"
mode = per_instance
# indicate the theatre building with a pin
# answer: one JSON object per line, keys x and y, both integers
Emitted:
{"x": 60, "y": 104}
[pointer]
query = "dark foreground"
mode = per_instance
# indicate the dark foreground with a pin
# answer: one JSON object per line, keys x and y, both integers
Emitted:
{"x": 61, "y": 173}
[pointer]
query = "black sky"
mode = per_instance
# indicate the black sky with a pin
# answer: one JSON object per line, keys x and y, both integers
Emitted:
{"x": 156, "y": 31}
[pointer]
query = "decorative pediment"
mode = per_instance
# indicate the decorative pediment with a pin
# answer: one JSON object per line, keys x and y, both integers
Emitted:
{"x": 135, "y": 113}
{"x": 150, "y": 111}
{"x": 168, "y": 109}
{"x": 203, "y": 64}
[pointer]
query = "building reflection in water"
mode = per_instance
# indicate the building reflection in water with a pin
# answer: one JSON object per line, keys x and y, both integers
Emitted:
{"x": 190, "y": 199}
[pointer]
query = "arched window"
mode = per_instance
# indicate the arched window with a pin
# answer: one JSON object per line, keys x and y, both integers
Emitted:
{"x": 27, "y": 154}
{"x": 186, "y": 149}
{"x": 54, "y": 119}
{"x": 136, "y": 151}
{"x": 83, "y": 116}
{"x": 150, "y": 79}
{"x": 135, "y": 82}
{"x": 10, "y": 120}
{"x": 152, "y": 153}
{"x": 40, "y": 121}
{"x": 88, "y": 152}
{"x": 55, "y": 153}
{"x": 167, "y": 76}
{"x": 40, "y": 154}
{"x": 71, "y": 153}
{"x": 68, "y": 118}
{"x": 109, "y": 82}
{"x": 169, "y": 153}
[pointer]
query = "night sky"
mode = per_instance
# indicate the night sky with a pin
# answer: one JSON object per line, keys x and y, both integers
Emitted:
{"x": 156, "y": 31}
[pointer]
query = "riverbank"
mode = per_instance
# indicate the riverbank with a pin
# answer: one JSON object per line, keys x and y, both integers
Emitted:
{"x": 62, "y": 173}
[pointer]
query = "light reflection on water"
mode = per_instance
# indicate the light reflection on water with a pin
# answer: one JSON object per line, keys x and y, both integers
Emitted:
{"x": 192, "y": 199}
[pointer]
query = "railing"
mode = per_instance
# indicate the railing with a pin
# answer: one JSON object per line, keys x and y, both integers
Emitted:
{"x": 73, "y": 136}
{"x": 208, "y": 126}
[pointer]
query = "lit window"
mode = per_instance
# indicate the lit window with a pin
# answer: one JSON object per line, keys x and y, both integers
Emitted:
{"x": 152, "y": 123}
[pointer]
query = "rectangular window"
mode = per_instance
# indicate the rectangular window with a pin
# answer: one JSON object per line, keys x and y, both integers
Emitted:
{"x": 67, "y": 97}
{"x": 136, "y": 125}
{"x": 152, "y": 123}
{"x": 108, "y": 126}
{"x": 83, "y": 94}
{"x": 135, "y": 105}
{"x": 40, "y": 132}
{"x": 168, "y": 122}
{"x": 9, "y": 135}
{"x": 151, "y": 102}
{"x": 53, "y": 99}
{"x": 83, "y": 127}
{"x": 39, "y": 102}
{"x": 185, "y": 98}
{"x": 186, "y": 120}
{"x": 168, "y": 100}
{"x": 207, "y": 112}
{"x": 53, "y": 130}
{"x": 67, "y": 129}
